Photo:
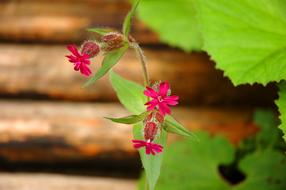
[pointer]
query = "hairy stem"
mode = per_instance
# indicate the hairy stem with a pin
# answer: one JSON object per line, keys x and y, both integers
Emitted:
{"x": 143, "y": 61}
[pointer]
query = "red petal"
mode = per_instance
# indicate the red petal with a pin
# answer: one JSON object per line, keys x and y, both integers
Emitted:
{"x": 163, "y": 89}
{"x": 150, "y": 92}
{"x": 164, "y": 109}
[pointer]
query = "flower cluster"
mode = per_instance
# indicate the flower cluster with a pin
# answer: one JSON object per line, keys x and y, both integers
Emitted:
{"x": 90, "y": 49}
{"x": 158, "y": 107}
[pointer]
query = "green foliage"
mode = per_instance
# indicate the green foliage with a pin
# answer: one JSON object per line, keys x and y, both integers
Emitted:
{"x": 110, "y": 59}
{"x": 128, "y": 19}
{"x": 131, "y": 96}
{"x": 131, "y": 119}
{"x": 173, "y": 126}
{"x": 246, "y": 38}
{"x": 129, "y": 93}
{"x": 265, "y": 170}
{"x": 281, "y": 104}
{"x": 174, "y": 21}
{"x": 269, "y": 136}
{"x": 100, "y": 31}
{"x": 152, "y": 164}
{"x": 192, "y": 165}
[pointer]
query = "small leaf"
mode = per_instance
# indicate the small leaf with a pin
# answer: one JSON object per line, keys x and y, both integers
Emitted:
{"x": 109, "y": 61}
{"x": 173, "y": 126}
{"x": 100, "y": 31}
{"x": 129, "y": 93}
{"x": 131, "y": 119}
{"x": 152, "y": 164}
{"x": 128, "y": 19}
{"x": 281, "y": 103}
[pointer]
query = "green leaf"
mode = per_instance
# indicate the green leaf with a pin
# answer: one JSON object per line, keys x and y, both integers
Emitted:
{"x": 281, "y": 104}
{"x": 131, "y": 119}
{"x": 109, "y": 61}
{"x": 151, "y": 164}
{"x": 265, "y": 170}
{"x": 190, "y": 165}
{"x": 269, "y": 135}
{"x": 128, "y": 19}
{"x": 129, "y": 93}
{"x": 173, "y": 126}
{"x": 246, "y": 38}
{"x": 174, "y": 20}
{"x": 100, "y": 31}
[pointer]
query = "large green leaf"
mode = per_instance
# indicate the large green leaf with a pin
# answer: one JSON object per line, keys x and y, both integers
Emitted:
{"x": 174, "y": 21}
{"x": 110, "y": 59}
{"x": 246, "y": 38}
{"x": 281, "y": 103}
{"x": 265, "y": 170}
{"x": 191, "y": 165}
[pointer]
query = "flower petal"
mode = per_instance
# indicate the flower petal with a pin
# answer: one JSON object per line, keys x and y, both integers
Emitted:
{"x": 152, "y": 104}
{"x": 171, "y": 100}
{"x": 150, "y": 92}
{"x": 72, "y": 48}
{"x": 163, "y": 89}
{"x": 164, "y": 109}
{"x": 85, "y": 70}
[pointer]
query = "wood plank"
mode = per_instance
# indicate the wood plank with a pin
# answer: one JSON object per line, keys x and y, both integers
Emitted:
{"x": 57, "y": 131}
{"x": 64, "y": 21}
{"x": 43, "y": 70}
{"x": 24, "y": 181}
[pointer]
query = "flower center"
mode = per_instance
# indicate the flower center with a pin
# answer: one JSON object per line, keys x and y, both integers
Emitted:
{"x": 160, "y": 99}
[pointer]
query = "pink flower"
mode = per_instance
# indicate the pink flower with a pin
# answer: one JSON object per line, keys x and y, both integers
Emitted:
{"x": 150, "y": 147}
{"x": 161, "y": 100}
{"x": 80, "y": 61}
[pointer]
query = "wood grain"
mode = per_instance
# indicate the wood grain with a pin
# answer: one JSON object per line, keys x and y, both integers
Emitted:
{"x": 25, "y": 181}
{"x": 56, "y": 131}
{"x": 42, "y": 71}
{"x": 65, "y": 21}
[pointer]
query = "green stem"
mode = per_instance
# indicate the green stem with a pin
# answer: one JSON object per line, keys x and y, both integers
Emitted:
{"x": 146, "y": 184}
{"x": 143, "y": 61}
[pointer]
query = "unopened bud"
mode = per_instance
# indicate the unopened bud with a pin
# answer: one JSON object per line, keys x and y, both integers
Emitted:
{"x": 150, "y": 131}
{"x": 154, "y": 116}
{"x": 112, "y": 41}
{"x": 90, "y": 48}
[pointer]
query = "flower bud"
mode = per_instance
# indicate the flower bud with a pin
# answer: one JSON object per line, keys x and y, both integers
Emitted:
{"x": 90, "y": 48}
{"x": 150, "y": 131}
{"x": 154, "y": 116}
{"x": 112, "y": 41}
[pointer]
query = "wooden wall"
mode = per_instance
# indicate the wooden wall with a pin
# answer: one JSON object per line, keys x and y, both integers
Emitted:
{"x": 46, "y": 116}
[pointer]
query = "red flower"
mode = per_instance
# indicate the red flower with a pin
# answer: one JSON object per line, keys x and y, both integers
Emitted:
{"x": 161, "y": 100}
{"x": 150, "y": 147}
{"x": 80, "y": 61}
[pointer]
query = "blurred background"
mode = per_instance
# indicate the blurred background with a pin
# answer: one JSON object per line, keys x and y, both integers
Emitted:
{"x": 52, "y": 131}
